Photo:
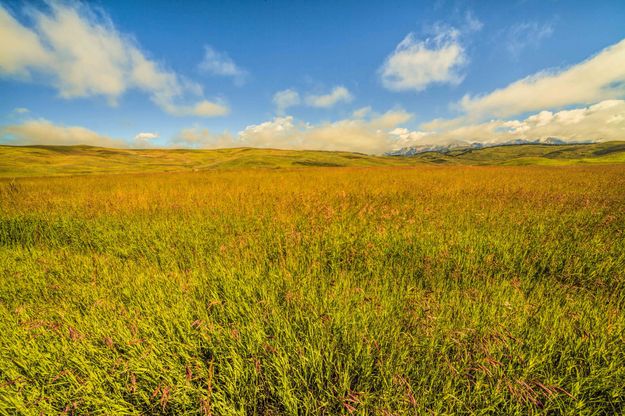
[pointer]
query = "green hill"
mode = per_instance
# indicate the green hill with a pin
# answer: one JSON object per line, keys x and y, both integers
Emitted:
{"x": 531, "y": 154}
{"x": 18, "y": 161}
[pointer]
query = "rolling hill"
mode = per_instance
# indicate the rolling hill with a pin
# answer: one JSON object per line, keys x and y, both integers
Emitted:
{"x": 20, "y": 161}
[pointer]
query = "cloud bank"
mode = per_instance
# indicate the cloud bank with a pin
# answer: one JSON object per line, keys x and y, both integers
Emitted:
{"x": 598, "y": 78}
{"x": 598, "y": 122}
{"x": 35, "y": 132}
{"x": 370, "y": 135}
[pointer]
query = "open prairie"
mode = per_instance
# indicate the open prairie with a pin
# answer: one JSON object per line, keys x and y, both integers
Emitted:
{"x": 354, "y": 290}
{"x": 268, "y": 208}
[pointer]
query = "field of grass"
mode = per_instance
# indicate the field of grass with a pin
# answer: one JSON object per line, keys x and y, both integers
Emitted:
{"x": 324, "y": 291}
{"x": 22, "y": 161}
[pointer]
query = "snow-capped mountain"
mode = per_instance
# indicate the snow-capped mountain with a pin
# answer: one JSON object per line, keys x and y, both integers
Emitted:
{"x": 459, "y": 145}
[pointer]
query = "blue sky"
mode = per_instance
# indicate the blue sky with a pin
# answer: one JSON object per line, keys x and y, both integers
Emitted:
{"x": 349, "y": 75}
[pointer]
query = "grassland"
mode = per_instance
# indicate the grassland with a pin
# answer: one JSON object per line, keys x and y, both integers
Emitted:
{"x": 355, "y": 290}
{"x": 21, "y": 161}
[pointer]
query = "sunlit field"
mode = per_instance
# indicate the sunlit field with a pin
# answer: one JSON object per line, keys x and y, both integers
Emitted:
{"x": 379, "y": 290}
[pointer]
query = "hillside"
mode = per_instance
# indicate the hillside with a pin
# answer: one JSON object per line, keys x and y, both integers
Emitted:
{"x": 530, "y": 154}
{"x": 20, "y": 161}
{"x": 17, "y": 161}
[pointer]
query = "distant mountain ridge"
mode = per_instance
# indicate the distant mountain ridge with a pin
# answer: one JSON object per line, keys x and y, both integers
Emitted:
{"x": 460, "y": 145}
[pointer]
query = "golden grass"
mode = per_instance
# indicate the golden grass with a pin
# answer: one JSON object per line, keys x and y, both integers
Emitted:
{"x": 391, "y": 291}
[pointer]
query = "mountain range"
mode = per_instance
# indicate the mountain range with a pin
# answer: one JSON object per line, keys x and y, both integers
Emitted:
{"x": 459, "y": 146}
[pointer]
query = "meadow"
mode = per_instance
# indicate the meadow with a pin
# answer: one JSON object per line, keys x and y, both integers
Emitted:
{"x": 315, "y": 290}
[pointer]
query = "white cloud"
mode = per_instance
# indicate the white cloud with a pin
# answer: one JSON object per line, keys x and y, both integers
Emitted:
{"x": 415, "y": 64}
{"x": 599, "y": 122}
{"x": 406, "y": 138}
{"x": 44, "y": 132}
{"x": 201, "y": 109}
{"x": 346, "y": 135}
{"x": 20, "y": 48}
{"x": 146, "y": 136}
{"x": 219, "y": 63}
{"x": 20, "y": 110}
{"x": 369, "y": 135}
{"x": 598, "y": 78}
{"x": 285, "y": 99}
{"x": 81, "y": 54}
{"x": 290, "y": 98}
{"x": 338, "y": 94}
{"x": 527, "y": 34}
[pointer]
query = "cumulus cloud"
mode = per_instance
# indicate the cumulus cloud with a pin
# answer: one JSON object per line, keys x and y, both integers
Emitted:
{"x": 285, "y": 99}
{"x": 370, "y": 135}
{"x": 602, "y": 121}
{"x": 79, "y": 52}
{"x": 415, "y": 64}
{"x": 34, "y": 132}
{"x": 219, "y": 63}
{"x": 349, "y": 135}
{"x": 338, "y": 94}
{"x": 598, "y": 78}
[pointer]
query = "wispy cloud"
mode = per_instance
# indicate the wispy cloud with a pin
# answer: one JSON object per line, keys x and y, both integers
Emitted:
{"x": 526, "y": 35}
{"x": 362, "y": 112}
{"x": 285, "y": 99}
{"x": 472, "y": 23}
{"x": 337, "y": 95}
{"x": 291, "y": 98}
{"x": 219, "y": 63}
{"x": 19, "y": 113}
{"x": 77, "y": 50}
{"x": 203, "y": 108}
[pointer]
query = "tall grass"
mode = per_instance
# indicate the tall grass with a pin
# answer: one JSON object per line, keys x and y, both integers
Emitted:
{"x": 390, "y": 291}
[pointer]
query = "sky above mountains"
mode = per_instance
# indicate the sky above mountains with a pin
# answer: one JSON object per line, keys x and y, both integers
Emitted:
{"x": 349, "y": 75}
